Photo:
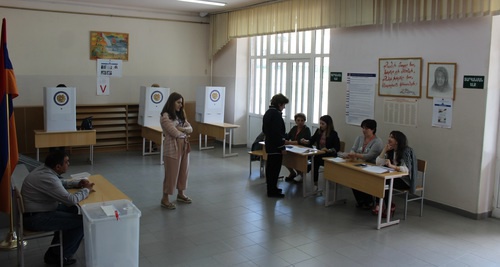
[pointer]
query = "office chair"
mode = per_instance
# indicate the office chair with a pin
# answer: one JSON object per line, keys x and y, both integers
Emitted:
{"x": 25, "y": 235}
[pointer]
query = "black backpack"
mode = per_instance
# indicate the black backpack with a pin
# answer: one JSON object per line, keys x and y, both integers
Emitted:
{"x": 86, "y": 124}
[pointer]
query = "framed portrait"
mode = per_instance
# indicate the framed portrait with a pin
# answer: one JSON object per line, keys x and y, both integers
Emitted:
{"x": 109, "y": 45}
{"x": 401, "y": 77}
{"x": 441, "y": 79}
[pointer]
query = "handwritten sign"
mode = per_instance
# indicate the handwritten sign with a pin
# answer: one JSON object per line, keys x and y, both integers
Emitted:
{"x": 400, "y": 77}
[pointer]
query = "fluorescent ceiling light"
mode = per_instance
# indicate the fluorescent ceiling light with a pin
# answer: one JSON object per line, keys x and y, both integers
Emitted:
{"x": 204, "y": 2}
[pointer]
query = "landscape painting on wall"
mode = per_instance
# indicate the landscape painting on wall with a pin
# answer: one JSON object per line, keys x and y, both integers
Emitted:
{"x": 108, "y": 45}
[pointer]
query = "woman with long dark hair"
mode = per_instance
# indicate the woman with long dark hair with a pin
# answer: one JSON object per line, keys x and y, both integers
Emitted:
{"x": 176, "y": 148}
{"x": 399, "y": 156}
{"x": 325, "y": 139}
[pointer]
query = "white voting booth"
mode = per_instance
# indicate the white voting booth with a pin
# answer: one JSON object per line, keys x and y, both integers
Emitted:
{"x": 59, "y": 109}
{"x": 152, "y": 100}
{"x": 210, "y": 104}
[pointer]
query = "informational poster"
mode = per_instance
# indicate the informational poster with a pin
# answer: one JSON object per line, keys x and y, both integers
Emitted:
{"x": 360, "y": 97}
{"x": 442, "y": 113}
{"x": 103, "y": 85}
{"x": 109, "y": 68}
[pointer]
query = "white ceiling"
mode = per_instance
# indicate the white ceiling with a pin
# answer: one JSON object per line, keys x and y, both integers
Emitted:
{"x": 161, "y": 6}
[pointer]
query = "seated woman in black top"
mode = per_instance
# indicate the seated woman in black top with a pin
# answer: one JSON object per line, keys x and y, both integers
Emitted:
{"x": 298, "y": 132}
{"x": 326, "y": 139}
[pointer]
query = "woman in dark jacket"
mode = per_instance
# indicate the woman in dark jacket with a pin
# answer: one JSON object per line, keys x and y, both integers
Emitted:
{"x": 325, "y": 139}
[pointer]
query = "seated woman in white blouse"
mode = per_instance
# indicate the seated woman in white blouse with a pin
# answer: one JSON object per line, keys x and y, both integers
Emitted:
{"x": 399, "y": 156}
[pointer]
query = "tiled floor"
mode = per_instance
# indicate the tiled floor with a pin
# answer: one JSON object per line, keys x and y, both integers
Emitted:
{"x": 232, "y": 223}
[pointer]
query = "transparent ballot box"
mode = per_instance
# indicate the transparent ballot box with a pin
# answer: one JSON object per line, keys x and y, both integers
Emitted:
{"x": 111, "y": 231}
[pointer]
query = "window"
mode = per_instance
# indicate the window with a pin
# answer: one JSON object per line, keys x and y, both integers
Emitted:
{"x": 295, "y": 64}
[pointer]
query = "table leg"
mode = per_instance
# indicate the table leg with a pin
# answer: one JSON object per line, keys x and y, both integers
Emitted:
{"x": 38, "y": 154}
{"x": 206, "y": 140}
{"x": 388, "y": 221}
{"x": 143, "y": 146}
{"x": 230, "y": 133}
{"x": 91, "y": 154}
{"x": 311, "y": 175}
{"x": 161, "y": 152}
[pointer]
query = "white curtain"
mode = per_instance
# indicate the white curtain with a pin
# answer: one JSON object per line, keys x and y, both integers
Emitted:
{"x": 299, "y": 15}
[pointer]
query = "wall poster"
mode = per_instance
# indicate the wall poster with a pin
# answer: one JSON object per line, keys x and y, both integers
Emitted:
{"x": 401, "y": 77}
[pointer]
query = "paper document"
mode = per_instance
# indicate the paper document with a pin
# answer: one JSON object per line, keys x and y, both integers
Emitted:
{"x": 80, "y": 175}
{"x": 109, "y": 210}
{"x": 300, "y": 150}
{"x": 336, "y": 159}
{"x": 376, "y": 169}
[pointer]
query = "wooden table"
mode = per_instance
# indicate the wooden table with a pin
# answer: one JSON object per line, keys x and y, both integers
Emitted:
{"x": 220, "y": 131}
{"x": 68, "y": 138}
{"x": 103, "y": 191}
{"x": 347, "y": 174}
{"x": 299, "y": 161}
{"x": 153, "y": 134}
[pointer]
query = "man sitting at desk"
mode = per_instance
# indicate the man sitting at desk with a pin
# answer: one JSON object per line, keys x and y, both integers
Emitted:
{"x": 50, "y": 207}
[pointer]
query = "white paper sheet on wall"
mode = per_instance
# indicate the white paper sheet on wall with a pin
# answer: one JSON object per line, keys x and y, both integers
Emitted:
{"x": 360, "y": 97}
{"x": 400, "y": 111}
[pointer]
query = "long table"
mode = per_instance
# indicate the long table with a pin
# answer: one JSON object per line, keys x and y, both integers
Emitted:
{"x": 104, "y": 190}
{"x": 220, "y": 131}
{"x": 45, "y": 139}
{"x": 348, "y": 174}
{"x": 153, "y": 134}
{"x": 299, "y": 161}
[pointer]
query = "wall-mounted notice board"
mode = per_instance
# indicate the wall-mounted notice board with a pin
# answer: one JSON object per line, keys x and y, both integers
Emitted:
{"x": 400, "y": 77}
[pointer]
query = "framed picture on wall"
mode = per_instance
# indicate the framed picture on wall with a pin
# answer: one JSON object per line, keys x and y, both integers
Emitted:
{"x": 400, "y": 77}
{"x": 441, "y": 79}
{"x": 109, "y": 45}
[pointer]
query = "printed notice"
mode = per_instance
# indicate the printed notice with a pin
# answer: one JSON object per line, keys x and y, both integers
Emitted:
{"x": 360, "y": 97}
{"x": 442, "y": 113}
{"x": 400, "y": 111}
{"x": 109, "y": 67}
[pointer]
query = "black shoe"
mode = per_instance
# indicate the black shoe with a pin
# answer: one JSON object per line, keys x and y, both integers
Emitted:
{"x": 55, "y": 260}
{"x": 276, "y": 195}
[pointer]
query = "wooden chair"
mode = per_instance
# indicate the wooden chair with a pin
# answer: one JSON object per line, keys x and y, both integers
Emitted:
{"x": 25, "y": 235}
{"x": 257, "y": 155}
{"x": 419, "y": 190}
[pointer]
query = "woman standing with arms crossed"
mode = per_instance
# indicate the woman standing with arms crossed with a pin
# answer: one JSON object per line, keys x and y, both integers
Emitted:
{"x": 176, "y": 148}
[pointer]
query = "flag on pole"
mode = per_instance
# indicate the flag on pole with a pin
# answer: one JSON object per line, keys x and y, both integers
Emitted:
{"x": 8, "y": 138}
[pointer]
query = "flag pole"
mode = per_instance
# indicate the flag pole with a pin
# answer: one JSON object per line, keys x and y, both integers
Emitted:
{"x": 10, "y": 241}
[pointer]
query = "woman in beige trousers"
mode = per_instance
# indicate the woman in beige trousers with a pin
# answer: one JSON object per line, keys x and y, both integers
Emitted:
{"x": 176, "y": 148}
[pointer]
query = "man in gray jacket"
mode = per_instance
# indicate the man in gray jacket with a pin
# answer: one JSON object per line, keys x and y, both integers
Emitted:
{"x": 50, "y": 207}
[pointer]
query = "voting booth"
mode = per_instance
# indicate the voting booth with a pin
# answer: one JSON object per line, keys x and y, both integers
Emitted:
{"x": 152, "y": 100}
{"x": 210, "y": 104}
{"x": 59, "y": 109}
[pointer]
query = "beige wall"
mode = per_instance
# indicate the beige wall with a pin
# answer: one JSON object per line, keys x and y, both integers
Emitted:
{"x": 48, "y": 48}
{"x": 454, "y": 155}
{"x": 231, "y": 70}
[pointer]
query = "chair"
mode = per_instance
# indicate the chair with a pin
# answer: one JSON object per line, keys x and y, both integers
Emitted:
{"x": 419, "y": 189}
{"x": 24, "y": 235}
{"x": 257, "y": 155}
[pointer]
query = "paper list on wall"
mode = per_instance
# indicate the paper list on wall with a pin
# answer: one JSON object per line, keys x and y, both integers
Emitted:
{"x": 360, "y": 97}
{"x": 400, "y": 111}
